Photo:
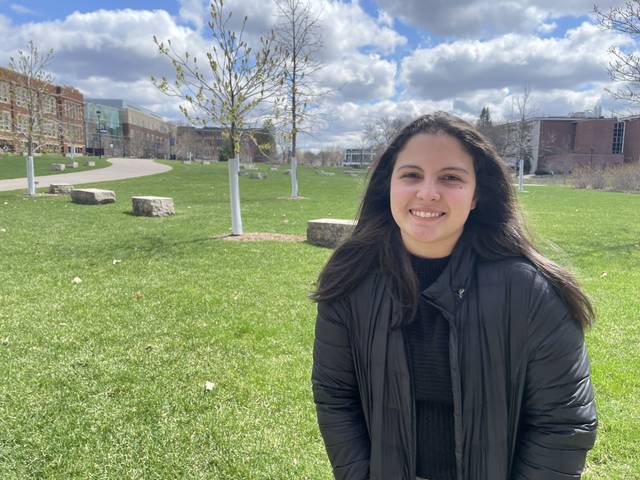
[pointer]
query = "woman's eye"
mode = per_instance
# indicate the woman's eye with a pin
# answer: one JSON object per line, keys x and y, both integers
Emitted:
{"x": 410, "y": 175}
{"x": 451, "y": 178}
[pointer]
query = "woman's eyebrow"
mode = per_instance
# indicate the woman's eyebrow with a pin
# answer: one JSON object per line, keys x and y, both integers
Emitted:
{"x": 457, "y": 169}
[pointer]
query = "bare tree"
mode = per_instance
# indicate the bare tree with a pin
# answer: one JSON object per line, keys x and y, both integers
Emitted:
{"x": 624, "y": 66}
{"x": 299, "y": 36}
{"x": 35, "y": 98}
{"x": 379, "y": 133}
{"x": 520, "y": 135}
{"x": 235, "y": 80}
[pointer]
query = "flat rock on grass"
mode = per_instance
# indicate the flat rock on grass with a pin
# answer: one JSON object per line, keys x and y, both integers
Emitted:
{"x": 329, "y": 232}
{"x": 60, "y": 188}
{"x": 150, "y": 206}
{"x": 92, "y": 196}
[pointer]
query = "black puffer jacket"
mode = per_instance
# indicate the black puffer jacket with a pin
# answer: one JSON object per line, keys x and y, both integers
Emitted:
{"x": 523, "y": 400}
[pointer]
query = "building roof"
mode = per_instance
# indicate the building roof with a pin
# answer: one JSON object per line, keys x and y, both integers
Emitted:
{"x": 119, "y": 103}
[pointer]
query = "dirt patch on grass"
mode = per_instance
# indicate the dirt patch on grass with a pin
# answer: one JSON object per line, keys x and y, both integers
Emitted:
{"x": 258, "y": 236}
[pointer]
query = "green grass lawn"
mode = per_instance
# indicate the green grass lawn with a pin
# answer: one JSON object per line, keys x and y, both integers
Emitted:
{"x": 105, "y": 378}
{"x": 15, "y": 166}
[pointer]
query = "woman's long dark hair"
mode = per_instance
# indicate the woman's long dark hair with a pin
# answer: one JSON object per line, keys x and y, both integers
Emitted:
{"x": 495, "y": 226}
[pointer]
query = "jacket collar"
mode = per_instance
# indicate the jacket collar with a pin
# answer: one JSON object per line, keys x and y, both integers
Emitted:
{"x": 451, "y": 286}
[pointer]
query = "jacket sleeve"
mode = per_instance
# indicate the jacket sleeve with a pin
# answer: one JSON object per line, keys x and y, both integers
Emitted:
{"x": 558, "y": 421}
{"x": 337, "y": 398}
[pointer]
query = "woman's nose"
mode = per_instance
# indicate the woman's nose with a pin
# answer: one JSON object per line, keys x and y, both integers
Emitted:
{"x": 428, "y": 191}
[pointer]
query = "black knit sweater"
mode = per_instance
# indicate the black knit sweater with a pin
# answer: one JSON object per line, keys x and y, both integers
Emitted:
{"x": 428, "y": 339}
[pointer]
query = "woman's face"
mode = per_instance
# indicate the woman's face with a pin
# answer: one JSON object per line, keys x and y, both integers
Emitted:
{"x": 432, "y": 191}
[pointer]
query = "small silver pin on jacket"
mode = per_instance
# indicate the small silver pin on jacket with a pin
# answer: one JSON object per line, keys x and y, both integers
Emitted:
{"x": 460, "y": 293}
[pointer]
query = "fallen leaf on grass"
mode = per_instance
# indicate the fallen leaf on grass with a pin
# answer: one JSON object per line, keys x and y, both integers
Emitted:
{"x": 76, "y": 280}
{"x": 208, "y": 386}
{"x": 115, "y": 262}
{"x": 4, "y": 341}
{"x": 604, "y": 274}
{"x": 3, "y": 230}
{"x": 138, "y": 295}
{"x": 148, "y": 348}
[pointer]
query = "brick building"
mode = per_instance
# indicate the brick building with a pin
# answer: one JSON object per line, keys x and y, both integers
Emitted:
{"x": 61, "y": 126}
{"x": 560, "y": 144}
{"x": 208, "y": 143}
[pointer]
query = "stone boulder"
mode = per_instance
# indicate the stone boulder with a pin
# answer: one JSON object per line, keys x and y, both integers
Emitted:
{"x": 150, "y": 206}
{"x": 257, "y": 175}
{"x": 329, "y": 232}
{"x": 92, "y": 196}
{"x": 90, "y": 163}
{"x": 60, "y": 188}
{"x": 57, "y": 166}
{"x": 72, "y": 164}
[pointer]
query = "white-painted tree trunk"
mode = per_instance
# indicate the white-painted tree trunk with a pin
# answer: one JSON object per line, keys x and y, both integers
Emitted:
{"x": 521, "y": 175}
{"x": 31, "y": 181}
{"x": 234, "y": 195}
{"x": 294, "y": 176}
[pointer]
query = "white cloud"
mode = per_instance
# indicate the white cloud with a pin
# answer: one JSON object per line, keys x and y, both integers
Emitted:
{"x": 349, "y": 28}
{"x": 21, "y": 9}
{"x": 547, "y": 27}
{"x": 194, "y": 12}
{"x": 358, "y": 77}
{"x": 460, "y": 67}
{"x": 469, "y": 18}
{"x": 113, "y": 44}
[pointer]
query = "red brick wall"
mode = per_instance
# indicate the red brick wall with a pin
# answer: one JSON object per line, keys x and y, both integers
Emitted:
{"x": 594, "y": 136}
{"x": 632, "y": 140}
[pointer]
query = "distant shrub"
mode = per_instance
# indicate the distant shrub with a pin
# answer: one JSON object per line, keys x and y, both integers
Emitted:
{"x": 624, "y": 178}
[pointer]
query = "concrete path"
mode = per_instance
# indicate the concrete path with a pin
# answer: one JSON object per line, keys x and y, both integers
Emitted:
{"x": 121, "y": 168}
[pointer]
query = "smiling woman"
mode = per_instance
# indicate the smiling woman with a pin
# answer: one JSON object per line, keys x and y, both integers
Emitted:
{"x": 447, "y": 347}
{"x": 432, "y": 192}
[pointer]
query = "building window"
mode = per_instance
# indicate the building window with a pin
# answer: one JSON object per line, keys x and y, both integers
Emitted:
{"x": 4, "y": 92}
{"x": 5, "y": 121}
{"x": 618, "y": 137}
{"x": 49, "y": 104}
{"x": 21, "y": 97}
{"x": 23, "y": 124}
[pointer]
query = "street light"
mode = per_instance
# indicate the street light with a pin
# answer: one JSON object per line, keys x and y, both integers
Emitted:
{"x": 98, "y": 113}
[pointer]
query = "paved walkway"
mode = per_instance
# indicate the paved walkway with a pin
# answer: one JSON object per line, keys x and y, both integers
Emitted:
{"x": 120, "y": 169}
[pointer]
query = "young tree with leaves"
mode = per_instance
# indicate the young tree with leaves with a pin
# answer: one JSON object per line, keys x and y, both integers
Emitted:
{"x": 234, "y": 81}
{"x": 298, "y": 35}
{"x": 35, "y": 99}
{"x": 625, "y": 65}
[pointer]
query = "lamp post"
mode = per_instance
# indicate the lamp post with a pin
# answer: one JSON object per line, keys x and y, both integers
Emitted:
{"x": 98, "y": 113}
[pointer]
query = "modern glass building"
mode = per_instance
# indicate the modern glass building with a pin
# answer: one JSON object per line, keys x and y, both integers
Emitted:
{"x": 103, "y": 129}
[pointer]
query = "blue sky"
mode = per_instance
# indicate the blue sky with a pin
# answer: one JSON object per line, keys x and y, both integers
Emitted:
{"x": 383, "y": 58}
